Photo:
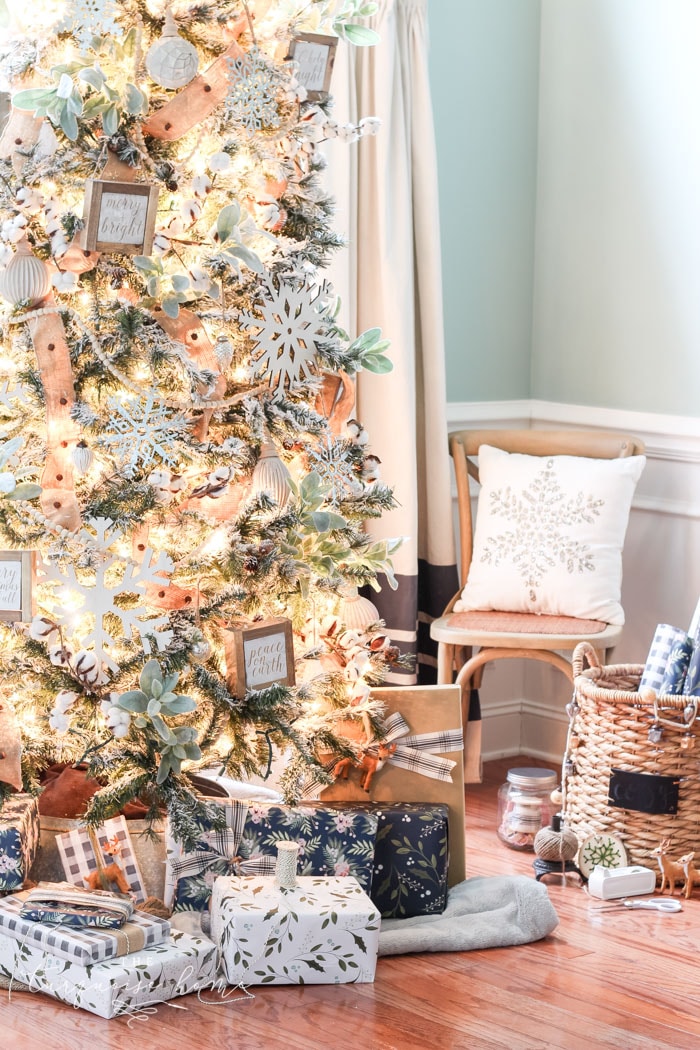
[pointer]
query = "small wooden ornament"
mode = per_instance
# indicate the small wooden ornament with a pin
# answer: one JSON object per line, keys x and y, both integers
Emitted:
{"x": 16, "y": 575}
{"x": 314, "y": 55}
{"x": 172, "y": 61}
{"x": 119, "y": 216}
{"x": 259, "y": 656}
{"x": 26, "y": 278}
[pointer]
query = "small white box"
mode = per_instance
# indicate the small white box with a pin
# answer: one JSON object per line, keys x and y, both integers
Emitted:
{"x": 611, "y": 883}
{"x": 324, "y": 931}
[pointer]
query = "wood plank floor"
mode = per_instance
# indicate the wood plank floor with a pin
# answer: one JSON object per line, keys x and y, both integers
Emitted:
{"x": 623, "y": 980}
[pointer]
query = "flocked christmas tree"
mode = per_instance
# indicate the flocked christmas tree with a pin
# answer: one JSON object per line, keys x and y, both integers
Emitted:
{"x": 175, "y": 391}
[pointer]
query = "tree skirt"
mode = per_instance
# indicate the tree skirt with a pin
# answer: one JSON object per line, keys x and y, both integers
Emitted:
{"x": 483, "y": 912}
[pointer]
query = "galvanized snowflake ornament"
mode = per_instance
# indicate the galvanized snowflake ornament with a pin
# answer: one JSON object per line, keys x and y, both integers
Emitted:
{"x": 89, "y": 18}
{"x": 86, "y": 598}
{"x": 337, "y": 473}
{"x": 251, "y": 100}
{"x": 141, "y": 433}
{"x": 289, "y": 331}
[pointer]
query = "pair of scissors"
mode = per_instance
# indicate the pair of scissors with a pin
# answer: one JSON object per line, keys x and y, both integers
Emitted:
{"x": 667, "y": 904}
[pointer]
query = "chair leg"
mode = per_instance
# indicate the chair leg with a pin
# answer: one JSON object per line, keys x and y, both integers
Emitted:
{"x": 445, "y": 663}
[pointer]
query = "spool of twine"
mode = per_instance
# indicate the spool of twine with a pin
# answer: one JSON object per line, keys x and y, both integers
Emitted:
{"x": 286, "y": 866}
{"x": 555, "y": 842}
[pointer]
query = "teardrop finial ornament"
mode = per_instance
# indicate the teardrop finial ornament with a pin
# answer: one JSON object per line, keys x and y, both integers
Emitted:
{"x": 271, "y": 474}
{"x": 357, "y": 612}
{"x": 172, "y": 61}
{"x": 25, "y": 278}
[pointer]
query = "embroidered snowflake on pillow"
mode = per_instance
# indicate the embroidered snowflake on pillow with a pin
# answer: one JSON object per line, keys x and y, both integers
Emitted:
{"x": 538, "y": 539}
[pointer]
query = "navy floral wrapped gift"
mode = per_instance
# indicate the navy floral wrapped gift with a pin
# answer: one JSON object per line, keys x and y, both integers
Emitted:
{"x": 19, "y": 840}
{"x": 411, "y": 856}
{"x": 410, "y": 860}
{"x": 330, "y": 842}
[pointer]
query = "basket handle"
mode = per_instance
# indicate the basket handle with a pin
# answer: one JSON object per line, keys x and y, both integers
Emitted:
{"x": 584, "y": 650}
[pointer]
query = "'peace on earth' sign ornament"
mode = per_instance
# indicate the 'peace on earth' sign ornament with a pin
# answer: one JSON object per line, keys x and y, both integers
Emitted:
{"x": 119, "y": 216}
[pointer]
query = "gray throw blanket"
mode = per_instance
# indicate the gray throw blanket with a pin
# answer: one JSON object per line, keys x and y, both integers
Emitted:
{"x": 484, "y": 912}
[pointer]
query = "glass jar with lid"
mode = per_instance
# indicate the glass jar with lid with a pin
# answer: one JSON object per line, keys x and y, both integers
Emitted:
{"x": 525, "y": 805}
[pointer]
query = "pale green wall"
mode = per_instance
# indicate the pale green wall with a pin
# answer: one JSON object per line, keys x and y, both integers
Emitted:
{"x": 484, "y": 69}
{"x": 617, "y": 274}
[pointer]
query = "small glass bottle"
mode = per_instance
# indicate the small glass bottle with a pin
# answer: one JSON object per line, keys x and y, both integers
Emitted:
{"x": 525, "y": 806}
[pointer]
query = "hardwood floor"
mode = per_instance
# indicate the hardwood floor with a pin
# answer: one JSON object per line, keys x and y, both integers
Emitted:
{"x": 617, "y": 979}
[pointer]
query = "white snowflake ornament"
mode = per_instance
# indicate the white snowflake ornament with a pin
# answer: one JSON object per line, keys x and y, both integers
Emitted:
{"x": 141, "y": 433}
{"x": 289, "y": 331}
{"x": 95, "y": 595}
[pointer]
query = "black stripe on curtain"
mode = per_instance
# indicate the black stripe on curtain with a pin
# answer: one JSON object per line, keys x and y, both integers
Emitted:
{"x": 437, "y": 585}
{"x": 410, "y": 609}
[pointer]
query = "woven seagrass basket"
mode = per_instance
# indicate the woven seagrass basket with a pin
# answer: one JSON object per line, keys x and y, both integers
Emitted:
{"x": 610, "y": 723}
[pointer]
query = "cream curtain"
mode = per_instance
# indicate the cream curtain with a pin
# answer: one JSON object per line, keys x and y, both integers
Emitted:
{"x": 387, "y": 194}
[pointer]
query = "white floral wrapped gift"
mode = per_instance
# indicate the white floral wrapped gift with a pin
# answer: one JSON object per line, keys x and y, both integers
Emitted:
{"x": 323, "y": 931}
{"x": 117, "y": 986}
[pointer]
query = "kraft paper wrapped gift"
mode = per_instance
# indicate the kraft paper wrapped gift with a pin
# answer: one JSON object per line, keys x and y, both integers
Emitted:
{"x": 323, "y": 931}
{"x": 433, "y": 732}
{"x": 117, "y": 986}
{"x": 19, "y": 840}
{"x": 330, "y": 843}
{"x": 83, "y": 946}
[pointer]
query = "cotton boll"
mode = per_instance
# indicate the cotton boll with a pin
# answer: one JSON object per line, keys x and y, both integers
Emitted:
{"x": 64, "y": 700}
{"x": 59, "y": 722}
{"x": 7, "y": 483}
{"x": 370, "y": 125}
{"x": 65, "y": 282}
{"x": 201, "y": 185}
{"x": 41, "y": 627}
{"x": 191, "y": 210}
{"x": 219, "y": 162}
{"x": 59, "y": 655}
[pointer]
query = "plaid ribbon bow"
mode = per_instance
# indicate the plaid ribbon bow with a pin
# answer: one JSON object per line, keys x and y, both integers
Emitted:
{"x": 216, "y": 847}
{"x": 416, "y": 752}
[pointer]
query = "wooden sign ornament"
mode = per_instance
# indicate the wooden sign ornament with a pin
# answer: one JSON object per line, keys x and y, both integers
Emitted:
{"x": 259, "y": 656}
{"x": 314, "y": 55}
{"x": 119, "y": 216}
{"x": 16, "y": 570}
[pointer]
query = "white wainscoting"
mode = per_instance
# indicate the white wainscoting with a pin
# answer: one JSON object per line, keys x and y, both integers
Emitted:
{"x": 522, "y": 701}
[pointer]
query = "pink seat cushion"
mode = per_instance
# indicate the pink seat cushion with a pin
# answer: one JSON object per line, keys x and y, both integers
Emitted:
{"x": 522, "y": 623}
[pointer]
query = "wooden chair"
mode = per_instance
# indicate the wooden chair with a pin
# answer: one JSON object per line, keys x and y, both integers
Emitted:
{"x": 467, "y": 641}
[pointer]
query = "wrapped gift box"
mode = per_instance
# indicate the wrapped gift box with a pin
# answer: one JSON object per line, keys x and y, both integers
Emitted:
{"x": 19, "y": 840}
{"x": 324, "y": 931}
{"x": 411, "y": 857}
{"x": 78, "y": 856}
{"x": 331, "y": 842}
{"x": 84, "y": 946}
{"x": 432, "y": 735}
{"x": 117, "y": 986}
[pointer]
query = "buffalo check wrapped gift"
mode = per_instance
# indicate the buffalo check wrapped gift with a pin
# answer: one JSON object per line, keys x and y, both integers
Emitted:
{"x": 330, "y": 843}
{"x": 323, "y": 931}
{"x": 19, "y": 840}
{"x": 83, "y": 946}
{"x": 154, "y": 975}
{"x": 79, "y": 861}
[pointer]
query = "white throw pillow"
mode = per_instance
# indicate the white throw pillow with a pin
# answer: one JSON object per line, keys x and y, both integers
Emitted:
{"x": 549, "y": 534}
